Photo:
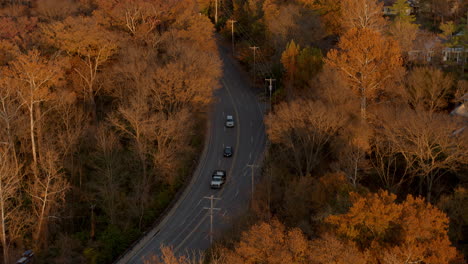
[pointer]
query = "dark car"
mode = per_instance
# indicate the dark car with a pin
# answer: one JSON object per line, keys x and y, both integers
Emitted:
{"x": 228, "y": 151}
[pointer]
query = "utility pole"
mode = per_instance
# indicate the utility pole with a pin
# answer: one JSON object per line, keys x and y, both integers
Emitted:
{"x": 252, "y": 167}
{"x": 232, "y": 33}
{"x": 255, "y": 72}
{"x": 211, "y": 208}
{"x": 270, "y": 80}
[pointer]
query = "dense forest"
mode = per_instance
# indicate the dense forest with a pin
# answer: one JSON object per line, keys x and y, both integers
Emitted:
{"x": 364, "y": 162}
{"x": 92, "y": 96}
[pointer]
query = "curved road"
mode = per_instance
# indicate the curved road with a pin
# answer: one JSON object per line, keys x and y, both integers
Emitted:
{"x": 186, "y": 227}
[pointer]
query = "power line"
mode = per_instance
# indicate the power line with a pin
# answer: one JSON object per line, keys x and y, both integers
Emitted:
{"x": 251, "y": 41}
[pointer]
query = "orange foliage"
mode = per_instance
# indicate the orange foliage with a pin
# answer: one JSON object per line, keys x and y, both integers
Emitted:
{"x": 368, "y": 61}
{"x": 362, "y": 14}
{"x": 413, "y": 231}
{"x": 270, "y": 243}
{"x": 329, "y": 249}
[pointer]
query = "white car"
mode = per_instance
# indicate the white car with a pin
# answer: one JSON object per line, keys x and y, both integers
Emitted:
{"x": 229, "y": 121}
{"x": 218, "y": 179}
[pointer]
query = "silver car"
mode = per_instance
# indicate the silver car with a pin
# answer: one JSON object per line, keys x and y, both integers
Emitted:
{"x": 218, "y": 179}
{"x": 229, "y": 121}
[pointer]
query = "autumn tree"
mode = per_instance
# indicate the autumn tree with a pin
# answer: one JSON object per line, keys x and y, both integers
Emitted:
{"x": 8, "y": 51}
{"x": 329, "y": 249}
{"x": 305, "y": 129}
{"x": 189, "y": 81}
{"x": 362, "y": 14}
{"x": 402, "y": 11}
{"x": 310, "y": 62}
{"x": 368, "y": 62}
{"x": 413, "y": 231}
{"x": 330, "y": 12}
{"x": 55, "y": 9}
{"x": 10, "y": 117}
{"x": 19, "y": 30}
{"x": 168, "y": 256}
{"x": 36, "y": 76}
{"x": 270, "y": 243}
{"x": 287, "y": 20}
{"x": 172, "y": 142}
{"x": 429, "y": 88}
{"x": 93, "y": 46}
{"x": 301, "y": 65}
{"x": 289, "y": 61}
{"x": 137, "y": 17}
{"x": 405, "y": 32}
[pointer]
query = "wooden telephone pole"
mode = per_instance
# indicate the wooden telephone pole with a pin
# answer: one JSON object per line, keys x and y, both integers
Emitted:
{"x": 270, "y": 87}
{"x": 216, "y": 12}
{"x": 211, "y": 208}
{"x": 232, "y": 33}
{"x": 252, "y": 167}
{"x": 254, "y": 48}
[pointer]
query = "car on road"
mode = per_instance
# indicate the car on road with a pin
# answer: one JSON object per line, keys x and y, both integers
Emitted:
{"x": 228, "y": 151}
{"x": 218, "y": 179}
{"x": 229, "y": 121}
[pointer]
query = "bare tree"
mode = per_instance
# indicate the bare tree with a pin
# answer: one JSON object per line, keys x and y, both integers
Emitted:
{"x": 47, "y": 190}
{"x": 352, "y": 158}
{"x": 136, "y": 121}
{"x": 109, "y": 173}
{"x": 427, "y": 144}
{"x": 10, "y": 177}
{"x": 305, "y": 128}
{"x": 172, "y": 142}
{"x": 36, "y": 75}
{"x": 429, "y": 88}
{"x": 68, "y": 122}
{"x": 9, "y": 115}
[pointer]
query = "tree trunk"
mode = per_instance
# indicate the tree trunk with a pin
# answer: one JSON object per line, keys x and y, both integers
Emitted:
{"x": 363, "y": 104}
{"x": 2, "y": 208}
{"x": 33, "y": 139}
{"x": 41, "y": 216}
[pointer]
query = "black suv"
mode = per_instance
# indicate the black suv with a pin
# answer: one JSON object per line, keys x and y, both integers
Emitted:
{"x": 228, "y": 151}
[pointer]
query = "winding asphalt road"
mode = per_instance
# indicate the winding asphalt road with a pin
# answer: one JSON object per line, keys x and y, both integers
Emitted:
{"x": 186, "y": 227}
